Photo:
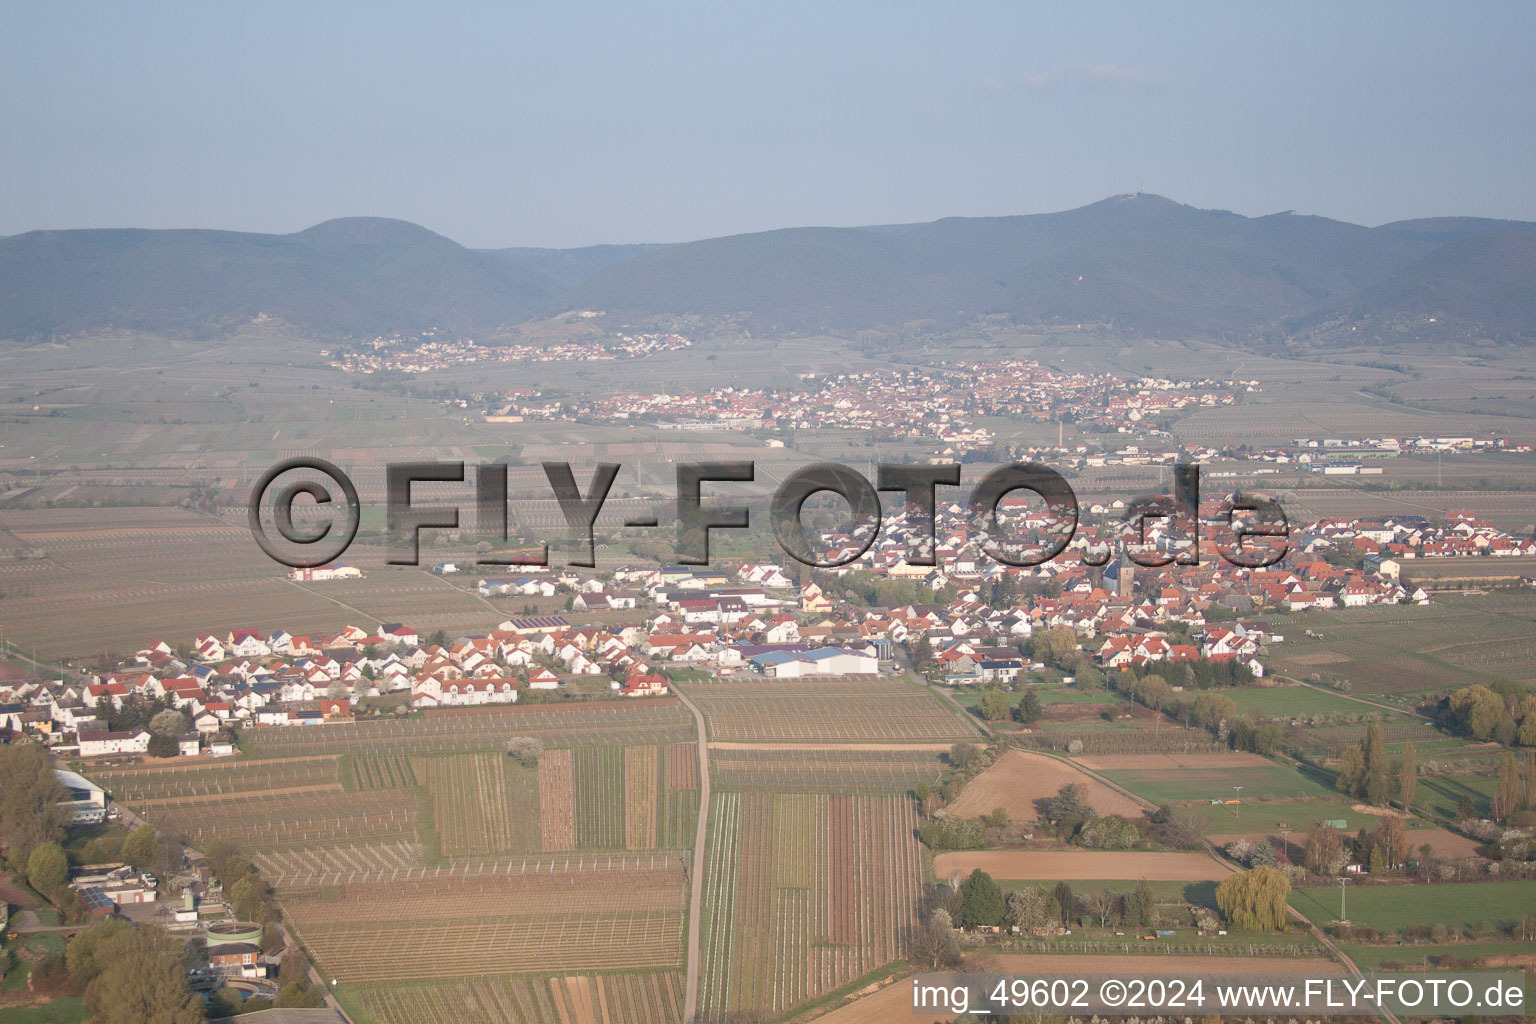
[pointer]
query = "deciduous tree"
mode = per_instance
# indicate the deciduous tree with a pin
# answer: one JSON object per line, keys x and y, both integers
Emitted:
{"x": 139, "y": 848}
{"x": 47, "y": 868}
{"x": 1408, "y": 777}
{"x": 1255, "y": 899}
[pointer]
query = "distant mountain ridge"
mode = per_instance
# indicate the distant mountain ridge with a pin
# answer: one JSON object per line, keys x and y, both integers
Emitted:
{"x": 1142, "y": 263}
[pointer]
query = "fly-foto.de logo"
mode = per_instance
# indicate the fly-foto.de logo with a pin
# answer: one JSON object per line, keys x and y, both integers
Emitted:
{"x": 1153, "y": 530}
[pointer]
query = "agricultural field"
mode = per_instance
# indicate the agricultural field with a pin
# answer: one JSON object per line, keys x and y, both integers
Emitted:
{"x": 1216, "y": 782}
{"x": 1296, "y": 701}
{"x": 642, "y": 790}
{"x": 457, "y": 731}
{"x": 482, "y": 803}
{"x": 377, "y": 771}
{"x": 786, "y": 918}
{"x": 1082, "y": 865}
{"x": 410, "y": 831}
{"x": 1457, "y": 640}
{"x": 557, "y": 800}
{"x": 1390, "y": 907}
{"x": 592, "y": 913}
{"x": 825, "y": 711}
{"x": 826, "y": 770}
{"x": 160, "y": 782}
{"x": 637, "y": 998}
{"x": 1019, "y": 779}
{"x": 599, "y": 793}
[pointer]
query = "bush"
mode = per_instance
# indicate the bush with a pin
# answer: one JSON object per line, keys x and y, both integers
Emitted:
{"x": 950, "y": 833}
{"x": 1111, "y": 833}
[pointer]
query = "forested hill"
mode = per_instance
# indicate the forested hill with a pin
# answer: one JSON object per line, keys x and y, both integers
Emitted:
{"x": 1142, "y": 263}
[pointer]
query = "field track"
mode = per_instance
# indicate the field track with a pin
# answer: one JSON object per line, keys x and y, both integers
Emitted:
{"x": 894, "y": 1002}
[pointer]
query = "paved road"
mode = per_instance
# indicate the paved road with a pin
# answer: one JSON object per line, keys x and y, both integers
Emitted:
{"x": 696, "y": 897}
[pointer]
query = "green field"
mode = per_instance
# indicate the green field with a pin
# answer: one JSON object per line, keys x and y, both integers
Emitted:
{"x": 1255, "y": 816}
{"x": 1372, "y": 958}
{"x": 1277, "y": 782}
{"x": 1290, "y": 701}
{"x": 1440, "y": 795}
{"x": 1390, "y": 907}
{"x": 64, "y": 1010}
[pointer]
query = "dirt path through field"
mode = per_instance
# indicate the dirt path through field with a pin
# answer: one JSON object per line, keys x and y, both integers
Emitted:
{"x": 923, "y": 747}
{"x": 696, "y": 876}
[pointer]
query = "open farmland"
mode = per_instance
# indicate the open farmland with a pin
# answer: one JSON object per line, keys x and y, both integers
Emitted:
{"x": 456, "y": 731}
{"x": 1457, "y": 640}
{"x": 213, "y": 778}
{"x": 829, "y": 770}
{"x": 557, "y": 800}
{"x": 787, "y": 920}
{"x": 1173, "y": 785}
{"x": 599, "y": 798}
{"x": 580, "y": 914}
{"x": 825, "y": 710}
{"x": 482, "y": 803}
{"x": 1390, "y": 907}
{"x": 1082, "y": 865}
{"x": 1018, "y": 780}
{"x": 642, "y": 768}
{"x": 650, "y": 998}
{"x": 416, "y": 849}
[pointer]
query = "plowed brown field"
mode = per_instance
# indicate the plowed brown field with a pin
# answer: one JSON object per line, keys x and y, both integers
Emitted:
{"x": 1019, "y": 778}
{"x": 1082, "y": 865}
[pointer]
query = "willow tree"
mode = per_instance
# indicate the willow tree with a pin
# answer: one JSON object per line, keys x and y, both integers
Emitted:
{"x": 1255, "y": 899}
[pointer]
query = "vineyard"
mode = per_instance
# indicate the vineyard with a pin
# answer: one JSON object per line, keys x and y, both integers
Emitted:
{"x": 825, "y": 771}
{"x": 482, "y": 803}
{"x": 600, "y": 798}
{"x": 557, "y": 800}
{"x": 650, "y": 998}
{"x": 497, "y": 917}
{"x": 803, "y": 893}
{"x": 377, "y": 771}
{"x": 642, "y": 769}
{"x": 164, "y": 782}
{"x": 649, "y": 721}
{"x": 261, "y": 821}
{"x": 826, "y": 711}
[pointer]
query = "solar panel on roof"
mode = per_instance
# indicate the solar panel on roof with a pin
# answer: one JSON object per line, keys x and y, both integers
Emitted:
{"x": 95, "y": 899}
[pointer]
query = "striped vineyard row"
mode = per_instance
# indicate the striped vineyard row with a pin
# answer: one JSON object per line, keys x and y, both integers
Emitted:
{"x": 132, "y": 785}
{"x": 434, "y": 947}
{"x": 600, "y": 798}
{"x": 485, "y": 729}
{"x": 648, "y": 998}
{"x": 378, "y": 771}
{"x": 789, "y": 920}
{"x": 642, "y": 787}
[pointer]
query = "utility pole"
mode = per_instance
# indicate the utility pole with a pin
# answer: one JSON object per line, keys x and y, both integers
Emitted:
{"x": 1342, "y": 883}
{"x": 1237, "y": 803}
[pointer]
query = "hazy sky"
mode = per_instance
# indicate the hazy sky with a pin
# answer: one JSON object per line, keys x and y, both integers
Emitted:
{"x": 568, "y": 124}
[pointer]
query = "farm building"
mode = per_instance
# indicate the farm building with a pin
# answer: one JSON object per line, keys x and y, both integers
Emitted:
{"x": 86, "y": 803}
{"x": 334, "y": 571}
{"x": 823, "y": 661}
